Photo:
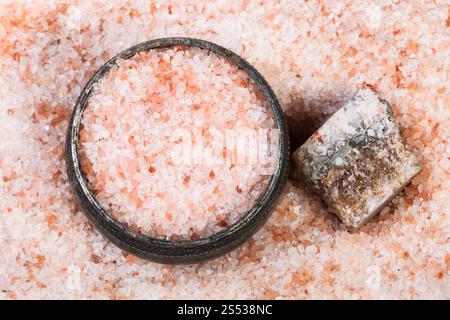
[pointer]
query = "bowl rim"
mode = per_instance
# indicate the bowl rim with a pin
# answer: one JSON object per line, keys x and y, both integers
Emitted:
{"x": 165, "y": 250}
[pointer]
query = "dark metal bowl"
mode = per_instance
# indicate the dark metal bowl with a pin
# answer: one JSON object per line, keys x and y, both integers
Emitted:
{"x": 176, "y": 251}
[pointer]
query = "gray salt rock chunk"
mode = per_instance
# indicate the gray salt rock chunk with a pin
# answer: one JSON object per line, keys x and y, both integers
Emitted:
{"x": 356, "y": 162}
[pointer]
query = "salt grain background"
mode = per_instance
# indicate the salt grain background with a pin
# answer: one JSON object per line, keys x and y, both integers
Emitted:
{"x": 314, "y": 55}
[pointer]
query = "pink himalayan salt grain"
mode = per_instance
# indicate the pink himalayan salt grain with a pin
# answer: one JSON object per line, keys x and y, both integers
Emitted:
{"x": 128, "y": 142}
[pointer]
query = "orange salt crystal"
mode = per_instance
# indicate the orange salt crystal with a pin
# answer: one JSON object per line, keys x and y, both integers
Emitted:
{"x": 135, "y": 13}
{"x": 193, "y": 89}
{"x": 43, "y": 109}
{"x": 59, "y": 116}
{"x": 169, "y": 216}
{"x": 137, "y": 201}
{"x": 271, "y": 16}
{"x": 160, "y": 195}
{"x": 165, "y": 117}
{"x": 132, "y": 141}
{"x": 123, "y": 76}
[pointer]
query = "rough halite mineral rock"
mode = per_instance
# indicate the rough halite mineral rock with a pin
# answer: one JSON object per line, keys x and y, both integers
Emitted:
{"x": 356, "y": 162}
